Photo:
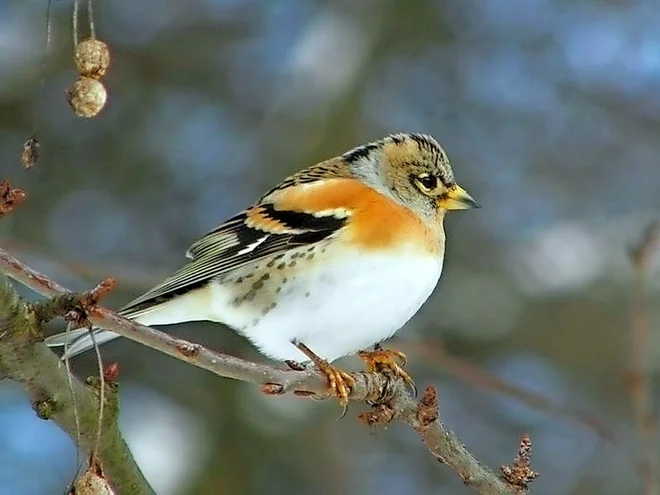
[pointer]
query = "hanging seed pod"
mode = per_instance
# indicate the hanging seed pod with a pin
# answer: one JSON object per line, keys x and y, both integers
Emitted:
{"x": 92, "y": 58}
{"x": 87, "y": 97}
{"x": 30, "y": 153}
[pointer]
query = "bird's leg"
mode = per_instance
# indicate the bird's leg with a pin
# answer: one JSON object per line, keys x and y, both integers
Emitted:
{"x": 340, "y": 382}
{"x": 388, "y": 362}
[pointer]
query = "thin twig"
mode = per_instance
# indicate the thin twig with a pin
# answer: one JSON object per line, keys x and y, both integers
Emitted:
{"x": 435, "y": 353}
{"x": 423, "y": 417}
{"x": 440, "y": 441}
{"x": 640, "y": 386}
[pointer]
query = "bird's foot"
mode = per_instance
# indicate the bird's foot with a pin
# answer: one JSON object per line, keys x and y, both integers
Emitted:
{"x": 389, "y": 363}
{"x": 340, "y": 382}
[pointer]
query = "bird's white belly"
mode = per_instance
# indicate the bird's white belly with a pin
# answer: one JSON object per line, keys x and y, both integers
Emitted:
{"x": 340, "y": 307}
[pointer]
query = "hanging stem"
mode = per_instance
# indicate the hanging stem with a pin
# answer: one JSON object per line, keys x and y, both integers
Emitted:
{"x": 90, "y": 19}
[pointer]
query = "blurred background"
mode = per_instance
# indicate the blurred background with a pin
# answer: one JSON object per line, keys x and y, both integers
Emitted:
{"x": 550, "y": 113}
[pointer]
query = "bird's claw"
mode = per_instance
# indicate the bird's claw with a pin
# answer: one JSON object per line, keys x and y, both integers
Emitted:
{"x": 340, "y": 383}
{"x": 389, "y": 363}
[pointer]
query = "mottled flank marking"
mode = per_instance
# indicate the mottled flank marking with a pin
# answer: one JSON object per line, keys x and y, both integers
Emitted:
{"x": 268, "y": 309}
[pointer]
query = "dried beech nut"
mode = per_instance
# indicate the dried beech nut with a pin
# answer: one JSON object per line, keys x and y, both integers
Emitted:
{"x": 87, "y": 97}
{"x": 92, "y": 58}
{"x": 30, "y": 153}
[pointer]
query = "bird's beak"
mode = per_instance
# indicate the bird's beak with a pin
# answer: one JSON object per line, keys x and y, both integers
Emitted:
{"x": 456, "y": 198}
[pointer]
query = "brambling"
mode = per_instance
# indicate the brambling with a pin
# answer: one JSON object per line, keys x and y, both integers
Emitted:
{"x": 332, "y": 261}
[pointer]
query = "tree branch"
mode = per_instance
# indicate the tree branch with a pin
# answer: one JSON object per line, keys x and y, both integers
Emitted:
{"x": 393, "y": 399}
{"x": 45, "y": 380}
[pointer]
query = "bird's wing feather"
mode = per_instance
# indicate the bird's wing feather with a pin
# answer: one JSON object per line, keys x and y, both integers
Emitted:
{"x": 254, "y": 234}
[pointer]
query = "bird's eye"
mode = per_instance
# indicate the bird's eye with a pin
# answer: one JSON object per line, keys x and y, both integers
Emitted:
{"x": 427, "y": 182}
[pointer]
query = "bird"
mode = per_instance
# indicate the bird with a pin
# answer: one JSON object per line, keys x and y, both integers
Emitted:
{"x": 331, "y": 262}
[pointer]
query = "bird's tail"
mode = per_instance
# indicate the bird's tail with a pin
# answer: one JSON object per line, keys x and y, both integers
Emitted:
{"x": 188, "y": 307}
{"x": 80, "y": 340}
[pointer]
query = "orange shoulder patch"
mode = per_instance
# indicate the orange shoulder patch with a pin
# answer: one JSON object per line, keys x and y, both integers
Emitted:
{"x": 374, "y": 220}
